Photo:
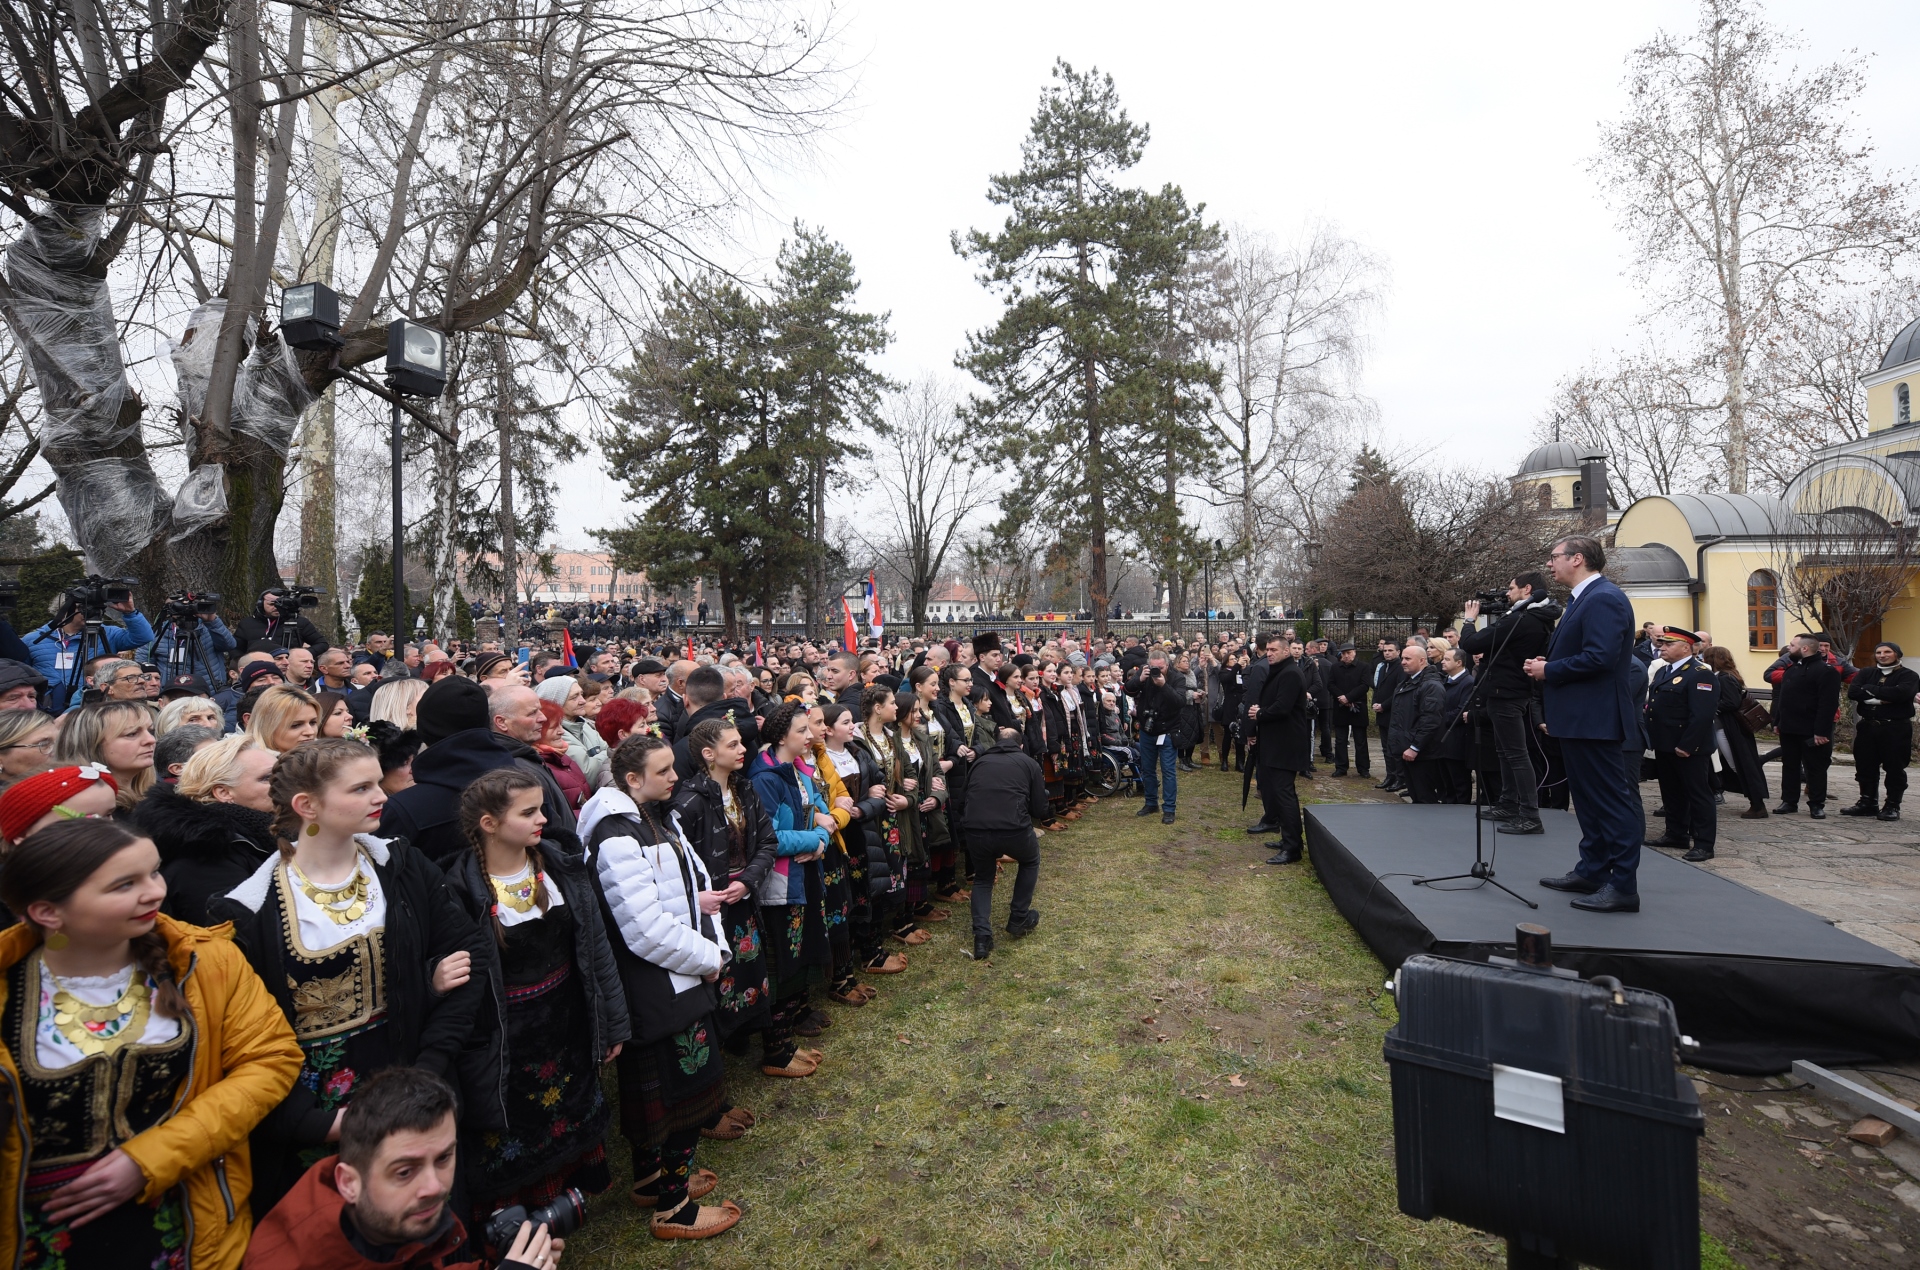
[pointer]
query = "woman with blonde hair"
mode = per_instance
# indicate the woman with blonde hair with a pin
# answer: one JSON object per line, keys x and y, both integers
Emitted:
{"x": 116, "y": 735}
{"x": 26, "y": 744}
{"x": 284, "y": 717}
{"x": 181, "y": 711}
{"x": 213, "y": 828}
{"x": 395, "y": 700}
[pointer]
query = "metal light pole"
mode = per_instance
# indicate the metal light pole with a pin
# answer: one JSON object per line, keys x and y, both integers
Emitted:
{"x": 399, "y": 525}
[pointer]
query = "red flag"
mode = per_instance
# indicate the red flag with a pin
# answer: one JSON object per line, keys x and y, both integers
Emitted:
{"x": 849, "y": 639}
{"x": 1019, "y": 646}
{"x": 759, "y": 654}
{"x": 566, "y": 646}
{"x": 689, "y": 646}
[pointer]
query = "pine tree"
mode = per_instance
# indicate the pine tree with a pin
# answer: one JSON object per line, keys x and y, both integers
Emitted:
{"x": 373, "y": 603}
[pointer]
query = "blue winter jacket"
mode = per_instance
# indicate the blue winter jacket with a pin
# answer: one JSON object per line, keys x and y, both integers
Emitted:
{"x": 790, "y": 799}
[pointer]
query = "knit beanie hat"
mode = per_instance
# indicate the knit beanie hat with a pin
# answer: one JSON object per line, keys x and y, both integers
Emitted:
{"x": 451, "y": 705}
{"x": 556, "y": 688}
{"x": 26, "y": 801}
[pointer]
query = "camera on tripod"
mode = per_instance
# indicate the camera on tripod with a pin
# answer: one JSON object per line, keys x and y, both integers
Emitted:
{"x": 93, "y": 595}
{"x": 1493, "y": 602}
{"x": 287, "y": 601}
{"x": 182, "y": 605}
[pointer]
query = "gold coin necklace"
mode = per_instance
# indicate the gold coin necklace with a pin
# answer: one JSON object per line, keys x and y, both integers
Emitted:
{"x": 516, "y": 895}
{"x": 344, "y": 904}
{"x": 101, "y": 1029}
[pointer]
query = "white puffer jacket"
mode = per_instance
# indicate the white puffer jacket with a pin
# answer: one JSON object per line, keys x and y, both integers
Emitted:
{"x": 647, "y": 892}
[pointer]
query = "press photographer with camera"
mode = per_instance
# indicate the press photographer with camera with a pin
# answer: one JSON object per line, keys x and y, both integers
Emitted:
{"x": 1160, "y": 710}
{"x": 1524, "y": 630}
{"x": 59, "y": 648}
{"x": 277, "y": 622}
{"x": 193, "y": 642}
{"x": 383, "y": 1200}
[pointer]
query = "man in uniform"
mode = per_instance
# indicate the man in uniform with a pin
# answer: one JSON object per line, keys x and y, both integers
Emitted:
{"x": 1883, "y": 740}
{"x": 1681, "y": 703}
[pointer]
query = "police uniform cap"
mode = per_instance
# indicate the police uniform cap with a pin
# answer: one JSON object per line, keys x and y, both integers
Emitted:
{"x": 1668, "y": 633}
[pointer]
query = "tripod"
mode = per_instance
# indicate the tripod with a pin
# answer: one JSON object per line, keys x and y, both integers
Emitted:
{"x": 1482, "y": 868}
{"x": 93, "y": 643}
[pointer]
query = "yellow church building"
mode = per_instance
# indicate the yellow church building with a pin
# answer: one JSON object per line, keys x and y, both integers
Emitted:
{"x": 1715, "y": 562}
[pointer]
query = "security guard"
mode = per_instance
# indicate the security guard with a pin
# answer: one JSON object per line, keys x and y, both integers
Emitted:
{"x": 1883, "y": 738}
{"x": 1681, "y": 703}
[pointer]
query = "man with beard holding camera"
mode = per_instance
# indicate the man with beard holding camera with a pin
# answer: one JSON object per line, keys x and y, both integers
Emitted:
{"x": 56, "y": 647}
{"x": 1508, "y": 644}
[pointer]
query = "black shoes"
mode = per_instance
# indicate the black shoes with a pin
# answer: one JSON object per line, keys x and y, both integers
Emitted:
{"x": 1756, "y": 812}
{"x": 1285, "y": 855}
{"x": 1786, "y": 809}
{"x": 1529, "y": 825}
{"x": 1187, "y": 767}
{"x": 1570, "y": 882}
{"x": 1861, "y": 808}
{"x": 1817, "y": 812}
{"x": 1665, "y": 840}
{"x": 1698, "y": 854}
{"x": 1146, "y": 811}
{"x": 1025, "y": 928}
{"x": 1608, "y": 900}
{"x": 1263, "y": 827}
{"x": 1497, "y": 812}
{"x": 1385, "y": 784}
{"x": 1166, "y": 817}
{"x": 1890, "y": 812}
{"x": 1339, "y": 771}
{"x": 982, "y": 947}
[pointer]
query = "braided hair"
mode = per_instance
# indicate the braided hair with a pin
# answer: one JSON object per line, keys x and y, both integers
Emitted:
{"x": 52, "y": 863}
{"x": 306, "y": 769}
{"x": 491, "y": 795}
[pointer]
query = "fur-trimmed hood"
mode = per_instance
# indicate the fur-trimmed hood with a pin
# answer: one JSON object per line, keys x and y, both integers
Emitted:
{"x": 184, "y": 829}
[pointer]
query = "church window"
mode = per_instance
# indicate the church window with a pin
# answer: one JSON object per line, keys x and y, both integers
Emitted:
{"x": 1763, "y": 610}
{"x": 1902, "y": 405}
{"x": 1545, "y": 494}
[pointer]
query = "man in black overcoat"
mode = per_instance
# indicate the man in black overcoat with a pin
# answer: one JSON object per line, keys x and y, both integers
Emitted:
{"x": 1275, "y": 718}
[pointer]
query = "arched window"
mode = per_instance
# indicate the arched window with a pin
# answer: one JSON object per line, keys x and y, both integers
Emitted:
{"x": 1902, "y": 405}
{"x": 1545, "y": 494}
{"x": 1576, "y": 493}
{"x": 1763, "y": 610}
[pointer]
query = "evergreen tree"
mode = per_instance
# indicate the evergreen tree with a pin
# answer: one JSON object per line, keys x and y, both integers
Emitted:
{"x": 1078, "y": 366}
{"x": 373, "y": 603}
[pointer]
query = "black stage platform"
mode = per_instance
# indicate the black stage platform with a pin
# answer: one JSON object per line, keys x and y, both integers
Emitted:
{"x": 1755, "y": 980}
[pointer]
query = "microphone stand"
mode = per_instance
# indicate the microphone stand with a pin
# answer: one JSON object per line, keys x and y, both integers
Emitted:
{"x": 1481, "y": 869}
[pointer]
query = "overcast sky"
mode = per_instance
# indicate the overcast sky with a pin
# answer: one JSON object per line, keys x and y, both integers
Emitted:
{"x": 1452, "y": 141}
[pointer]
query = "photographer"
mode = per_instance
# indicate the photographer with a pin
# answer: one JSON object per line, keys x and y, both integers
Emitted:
{"x": 1160, "y": 710}
{"x": 382, "y": 1201}
{"x": 192, "y": 623}
{"x": 1523, "y": 633}
{"x": 278, "y": 623}
{"x": 56, "y": 648}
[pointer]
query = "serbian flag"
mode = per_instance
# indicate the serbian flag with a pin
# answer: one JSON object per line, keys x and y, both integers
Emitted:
{"x": 759, "y": 654}
{"x": 689, "y": 648}
{"x": 849, "y": 639}
{"x": 566, "y": 647}
{"x": 876, "y": 620}
{"x": 1019, "y": 646}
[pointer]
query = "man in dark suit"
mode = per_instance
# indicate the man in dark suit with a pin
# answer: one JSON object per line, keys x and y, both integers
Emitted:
{"x": 1456, "y": 737}
{"x": 1589, "y": 674}
{"x": 1274, "y": 717}
{"x": 1419, "y": 718}
{"x": 1386, "y": 678}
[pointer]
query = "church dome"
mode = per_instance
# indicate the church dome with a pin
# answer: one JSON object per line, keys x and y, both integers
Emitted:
{"x": 1554, "y": 456}
{"x": 1905, "y": 347}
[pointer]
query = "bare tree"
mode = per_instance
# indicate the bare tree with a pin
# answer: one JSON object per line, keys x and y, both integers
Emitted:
{"x": 1842, "y": 569}
{"x": 927, "y": 481}
{"x": 1643, "y": 412}
{"x": 1744, "y": 188}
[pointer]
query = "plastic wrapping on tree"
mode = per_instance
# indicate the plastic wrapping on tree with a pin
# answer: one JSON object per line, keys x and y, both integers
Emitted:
{"x": 64, "y": 318}
{"x": 115, "y": 506}
{"x": 268, "y": 393}
{"x": 200, "y": 500}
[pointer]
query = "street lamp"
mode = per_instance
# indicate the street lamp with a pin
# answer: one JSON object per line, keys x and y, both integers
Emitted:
{"x": 416, "y": 367}
{"x": 310, "y": 317}
{"x": 1313, "y": 576}
{"x": 1210, "y": 558}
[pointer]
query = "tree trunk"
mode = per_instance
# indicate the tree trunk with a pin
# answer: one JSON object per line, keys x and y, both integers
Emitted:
{"x": 442, "y": 563}
{"x": 509, "y": 543}
{"x": 319, "y": 559}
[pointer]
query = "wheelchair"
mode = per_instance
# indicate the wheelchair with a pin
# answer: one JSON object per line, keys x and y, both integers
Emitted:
{"x": 1114, "y": 770}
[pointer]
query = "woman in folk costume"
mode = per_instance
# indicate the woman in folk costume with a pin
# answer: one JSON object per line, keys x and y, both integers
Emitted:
{"x": 844, "y": 871}
{"x": 940, "y": 746}
{"x": 912, "y": 734}
{"x": 896, "y": 833}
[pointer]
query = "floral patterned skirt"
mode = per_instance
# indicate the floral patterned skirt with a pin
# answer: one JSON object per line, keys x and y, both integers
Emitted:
{"x": 556, "y": 1112}
{"x": 744, "y": 993}
{"x": 134, "y": 1236}
{"x": 672, "y": 1085}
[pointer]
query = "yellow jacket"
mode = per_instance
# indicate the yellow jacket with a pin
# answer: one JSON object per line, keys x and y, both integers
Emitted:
{"x": 836, "y": 790}
{"x": 245, "y": 1059}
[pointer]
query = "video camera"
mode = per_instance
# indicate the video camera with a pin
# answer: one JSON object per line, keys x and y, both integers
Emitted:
{"x": 1493, "y": 602}
{"x": 287, "y": 601}
{"x": 562, "y": 1216}
{"x": 182, "y": 605}
{"x": 93, "y": 595}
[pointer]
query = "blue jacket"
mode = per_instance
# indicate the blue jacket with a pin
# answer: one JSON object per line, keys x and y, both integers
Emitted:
{"x": 790, "y": 800}
{"x": 1591, "y": 668}
{"x": 44, "y": 644}
{"x": 202, "y": 657}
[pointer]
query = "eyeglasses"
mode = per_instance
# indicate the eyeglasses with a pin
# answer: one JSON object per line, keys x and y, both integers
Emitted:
{"x": 44, "y": 747}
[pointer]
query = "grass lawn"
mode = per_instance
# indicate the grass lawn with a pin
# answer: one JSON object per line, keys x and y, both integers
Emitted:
{"x": 1181, "y": 1066}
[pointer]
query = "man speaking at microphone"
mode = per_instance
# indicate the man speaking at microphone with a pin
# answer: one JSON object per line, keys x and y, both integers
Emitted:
{"x": 1589, "y": 694}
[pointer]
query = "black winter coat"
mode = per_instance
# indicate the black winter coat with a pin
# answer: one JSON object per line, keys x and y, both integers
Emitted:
{"x": 425, "y": 925}
{"x": 1456, "y": 733}
{"x": 553, "y": 802}
{"x": 703, "y": 817}
{"x": 1351, "y": 682}
{"x": 863, "y": 830}
{"x": 1522, "y": 634}
{"x": 1419, "y": 712}
{"x": 1806, "y": 699}
{"x": 671, "y": 712}
{"x": 687, "y": 763}
{"x": 1282, "y": 733}
{"x": 1884, "y": 695}
{"x": 1006, "y": 792}
{"x": 262, "y": 634}
{"x": 484, "y": 1064}
{"x": 427, "y": 813}
{"x": 206, "y": 849}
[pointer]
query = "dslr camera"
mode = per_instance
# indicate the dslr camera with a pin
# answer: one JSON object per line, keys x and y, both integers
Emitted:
{"x": 561, "y": 1216}
{"x": 183, "y": 605}
{"x": 1493, "y": 602}
{"x": 287, "y": 601}
{"x": 93, "y": 595}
